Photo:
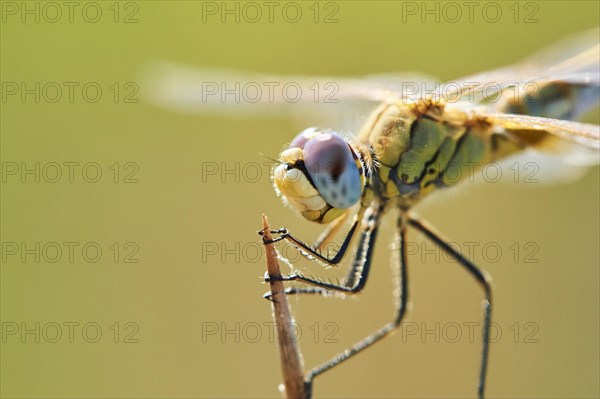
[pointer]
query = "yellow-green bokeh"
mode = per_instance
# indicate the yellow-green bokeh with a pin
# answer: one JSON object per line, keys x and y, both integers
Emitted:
{"x": 177, "y": 288}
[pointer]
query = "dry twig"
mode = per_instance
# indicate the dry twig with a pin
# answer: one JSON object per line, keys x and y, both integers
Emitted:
{"x": 291, "y": 359}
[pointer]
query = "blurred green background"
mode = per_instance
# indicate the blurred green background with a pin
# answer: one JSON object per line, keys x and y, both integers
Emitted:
{"x": 189, "y": 311}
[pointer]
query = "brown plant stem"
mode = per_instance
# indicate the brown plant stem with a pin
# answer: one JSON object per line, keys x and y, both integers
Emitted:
{"x": 291, "y": 359}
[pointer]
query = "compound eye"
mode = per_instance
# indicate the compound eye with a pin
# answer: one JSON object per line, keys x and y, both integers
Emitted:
{"x": 302, "y": 137}
{"x": 330, "y": 164}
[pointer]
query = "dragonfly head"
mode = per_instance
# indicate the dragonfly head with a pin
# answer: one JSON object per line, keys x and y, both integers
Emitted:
{"x": 321, "y": 174}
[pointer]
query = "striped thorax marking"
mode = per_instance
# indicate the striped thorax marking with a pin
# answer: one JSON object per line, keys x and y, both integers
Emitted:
{"x": 423, "y": 146}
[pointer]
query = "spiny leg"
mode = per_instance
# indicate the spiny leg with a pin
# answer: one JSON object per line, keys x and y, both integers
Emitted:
{"x": 327, "y": 235}
{"x": 481, "y": 278}
{"x": 357, "y": 275}
{"x": 386, "y": 329}
{"x": 360, "y": 267}
{"x": 314, "y": 251}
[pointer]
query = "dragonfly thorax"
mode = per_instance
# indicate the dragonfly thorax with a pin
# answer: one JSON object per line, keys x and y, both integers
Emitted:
{"x": 423, "y": 146}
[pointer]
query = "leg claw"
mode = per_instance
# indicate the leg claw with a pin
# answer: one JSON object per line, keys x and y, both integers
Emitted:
{"x": 282, "y": 230}
{"x": 269, "y": 296}
{"x": 269, "y": 278}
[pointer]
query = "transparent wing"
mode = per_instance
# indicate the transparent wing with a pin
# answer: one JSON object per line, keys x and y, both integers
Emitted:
{"x": 575, "y": 60}
{"x": 548, "y": 168}
{"x": 204, "y": 90}
{"x": 570, "y": 131}
{"x": 556, "y": 151}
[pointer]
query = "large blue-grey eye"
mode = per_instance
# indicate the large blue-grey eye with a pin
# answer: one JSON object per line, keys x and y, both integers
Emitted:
{"x": 330, "y": 164}
{"x": 302, "y": 138}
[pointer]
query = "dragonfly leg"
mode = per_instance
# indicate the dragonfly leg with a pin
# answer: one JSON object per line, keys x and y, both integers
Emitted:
{"x": 323, "y": 239}
{"x": 386, "y": 329}
{"x": 357, "y": 275}
{"x": 482, "y": 279}
{"x": 327, "y": 235}
{"x": 312, "y": 252}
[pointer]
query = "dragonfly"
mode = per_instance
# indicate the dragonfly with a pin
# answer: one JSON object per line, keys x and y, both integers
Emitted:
{"x": 416, "y": 142}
